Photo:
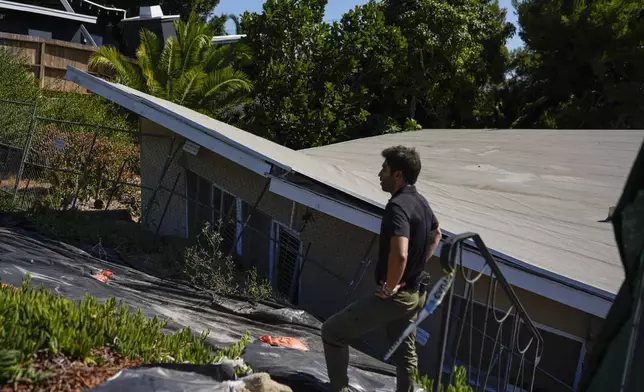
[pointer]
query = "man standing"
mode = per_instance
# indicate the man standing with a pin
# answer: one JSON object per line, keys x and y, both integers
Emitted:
{"x": 409, "y": 235}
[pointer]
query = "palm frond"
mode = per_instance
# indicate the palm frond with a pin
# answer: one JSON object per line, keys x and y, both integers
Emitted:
{"x": 169, "y": 65}
{"x": 238, "y": 26}
{"x": 148, "y": 55}
{"x": 108, "y": 59}
{"x": 218, "y": 24}
{"x": 222, "y": 84}
{"x": 216, "y": 57}
{"x": 193, "y": 38}
{"x": 188, "y": 87}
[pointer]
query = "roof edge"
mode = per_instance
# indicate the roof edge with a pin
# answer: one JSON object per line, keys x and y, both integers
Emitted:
{"x": 108, "y": 91}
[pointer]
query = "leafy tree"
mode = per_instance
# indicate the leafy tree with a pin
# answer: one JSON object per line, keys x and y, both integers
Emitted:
{"x": 369, "y": 56}
{"x": 318, "y": 83}
{"x": 456, "y": 56}
{"x": 384, "y": 67}
{"x": 295, "y": 105}
{"x": 582, "y": 66}
{"x": 187, "y": 70}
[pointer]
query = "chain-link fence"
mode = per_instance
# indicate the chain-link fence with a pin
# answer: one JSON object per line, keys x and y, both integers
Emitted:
{"x": 64, "y": 165}
{"x": 71, "y": 166}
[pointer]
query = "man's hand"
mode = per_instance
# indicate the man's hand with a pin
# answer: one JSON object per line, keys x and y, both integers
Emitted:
{"x": 381, "y": 293}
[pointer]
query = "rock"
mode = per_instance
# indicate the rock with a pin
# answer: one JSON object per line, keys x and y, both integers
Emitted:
{"x": 261, "y": 382}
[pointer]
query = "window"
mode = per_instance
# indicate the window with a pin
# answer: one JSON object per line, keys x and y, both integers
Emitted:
{"x": 287, "y": 261}
{"x": 200, "y": 207}
{"x": 209, "y": 203}
{"x": 273, "y": 248}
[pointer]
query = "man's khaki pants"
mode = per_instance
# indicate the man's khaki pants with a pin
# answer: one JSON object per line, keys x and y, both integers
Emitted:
{"x": 365, "y": 315}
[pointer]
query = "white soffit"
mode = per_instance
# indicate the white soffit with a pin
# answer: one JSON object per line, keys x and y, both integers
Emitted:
{"x": 326, "y": 205}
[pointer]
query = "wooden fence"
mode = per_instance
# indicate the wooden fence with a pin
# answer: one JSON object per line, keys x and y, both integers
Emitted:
{"x": 48, "y": 58}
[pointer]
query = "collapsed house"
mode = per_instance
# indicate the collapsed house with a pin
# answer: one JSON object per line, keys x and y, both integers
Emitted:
{"x": 309, "y": 220}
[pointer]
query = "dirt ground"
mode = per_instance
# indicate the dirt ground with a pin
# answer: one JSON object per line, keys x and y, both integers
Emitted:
{"x": 75, "y": 376}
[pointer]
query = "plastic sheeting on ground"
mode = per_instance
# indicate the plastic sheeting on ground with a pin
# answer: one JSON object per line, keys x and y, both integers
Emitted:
{"x": 212, "y": 378}
{"x": 68, "y": 271}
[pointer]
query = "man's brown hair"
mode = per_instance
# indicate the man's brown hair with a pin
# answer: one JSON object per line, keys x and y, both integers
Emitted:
{"x": 405, "y": 159}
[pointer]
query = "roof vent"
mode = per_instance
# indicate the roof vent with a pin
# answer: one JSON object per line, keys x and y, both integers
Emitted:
{"x": 611, "y": 211}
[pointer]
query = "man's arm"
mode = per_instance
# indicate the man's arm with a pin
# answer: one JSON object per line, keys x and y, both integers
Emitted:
{"x": 398, "y": 248}
{"x": 435, "y": 237}
{"x": 397, "y": 261}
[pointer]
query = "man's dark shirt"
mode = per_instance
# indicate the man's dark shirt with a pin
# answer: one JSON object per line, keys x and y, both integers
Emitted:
{"x": 407, "y": 214}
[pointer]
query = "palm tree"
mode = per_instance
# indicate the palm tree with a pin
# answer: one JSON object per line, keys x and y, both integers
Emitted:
{"x": 188, "y": 70}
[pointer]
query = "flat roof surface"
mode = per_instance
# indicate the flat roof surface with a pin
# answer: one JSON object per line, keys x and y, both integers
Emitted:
{"x": 534, "y": 195}
{"x": 10, "y": 5}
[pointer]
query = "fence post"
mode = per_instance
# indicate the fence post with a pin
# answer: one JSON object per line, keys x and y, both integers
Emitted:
{"x": 25, "y": 151}
{"x": 167, "y": 203}
{"x": 444, "y": 332}
{"x": 87, "y": 161}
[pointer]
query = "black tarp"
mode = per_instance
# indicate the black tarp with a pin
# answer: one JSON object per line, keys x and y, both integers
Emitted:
{"x": 67, "y": 270}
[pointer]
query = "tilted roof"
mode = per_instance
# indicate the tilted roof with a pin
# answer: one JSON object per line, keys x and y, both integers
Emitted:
{"x": 534, "y": 195}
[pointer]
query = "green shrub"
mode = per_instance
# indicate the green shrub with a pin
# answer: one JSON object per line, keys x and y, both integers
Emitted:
{"x": 37, "y": 321}
{"x": 18, "y": 84}
{"x": 460, "y": 383}
{"x": 206, "y": 267}
{"x": 85, "y": 108}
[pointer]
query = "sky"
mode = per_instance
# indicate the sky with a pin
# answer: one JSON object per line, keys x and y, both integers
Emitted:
{"x": 334, "y": 10}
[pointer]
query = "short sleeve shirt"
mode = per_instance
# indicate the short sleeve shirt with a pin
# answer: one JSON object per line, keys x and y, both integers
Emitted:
{"x": 407, "y": 214}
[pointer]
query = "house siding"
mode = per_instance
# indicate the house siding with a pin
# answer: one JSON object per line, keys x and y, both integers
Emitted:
{"x": 154, "y": 152}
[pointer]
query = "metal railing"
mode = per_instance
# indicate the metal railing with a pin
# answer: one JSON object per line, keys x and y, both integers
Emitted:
{"x": 511, "y": 361}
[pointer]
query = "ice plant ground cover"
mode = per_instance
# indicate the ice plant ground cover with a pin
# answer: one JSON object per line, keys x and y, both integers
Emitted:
{"x": 48, "y": 340}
